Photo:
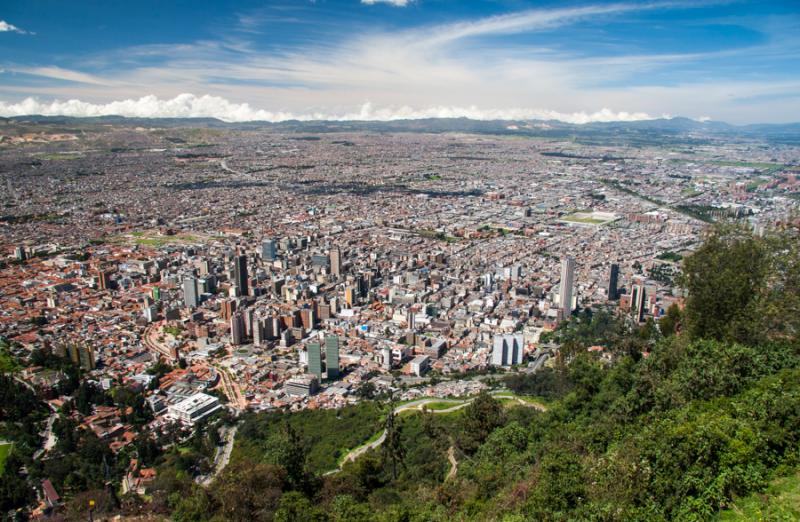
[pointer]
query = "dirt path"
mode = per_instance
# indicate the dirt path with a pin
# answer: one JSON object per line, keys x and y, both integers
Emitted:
{"x": 451, "y": 456}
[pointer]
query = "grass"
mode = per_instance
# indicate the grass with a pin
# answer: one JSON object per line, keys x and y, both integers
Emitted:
{"x": 780, "y": 501}
{"x": 7, "y": 362}
{"x": 327, "y": 435}
{"x": 575, "y": 218}
{"x": 442, "y": 405}
{"x": 57, "y": 157}
{"x": 152, "y": 239}
{"x": 5, "y": 450}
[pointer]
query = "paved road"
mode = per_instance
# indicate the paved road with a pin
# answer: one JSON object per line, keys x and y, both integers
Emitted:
{"x": 231, "y": 388}
{"x": 221, "y": 457}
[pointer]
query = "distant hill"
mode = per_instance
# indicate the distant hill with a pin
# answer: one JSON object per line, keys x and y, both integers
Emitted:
{"x": 641, "y": 132}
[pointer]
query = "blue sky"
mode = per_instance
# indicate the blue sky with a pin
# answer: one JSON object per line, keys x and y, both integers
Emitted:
{"x": 737, "y": 61}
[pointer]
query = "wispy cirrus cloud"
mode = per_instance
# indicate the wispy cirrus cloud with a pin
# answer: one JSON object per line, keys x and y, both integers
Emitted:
{"x": 58, "y": 73}
{"x": 6, "y": 27}
{"x": 396, "y": 3}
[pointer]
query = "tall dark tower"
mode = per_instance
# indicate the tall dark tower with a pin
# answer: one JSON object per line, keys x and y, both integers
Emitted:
{"x": 613, "y": 282}
{"x": 332, "y": 356}
{"x": 240, "y": 273}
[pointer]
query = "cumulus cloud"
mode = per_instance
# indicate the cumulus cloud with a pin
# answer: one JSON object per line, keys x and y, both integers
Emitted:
{"x": 191, "y": 106}
{"x": 396, "y": 3}
{"x": 6, "y": 27}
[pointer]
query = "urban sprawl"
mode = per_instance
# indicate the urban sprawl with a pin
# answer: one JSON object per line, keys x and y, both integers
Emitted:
{"x": 273, "y": 270}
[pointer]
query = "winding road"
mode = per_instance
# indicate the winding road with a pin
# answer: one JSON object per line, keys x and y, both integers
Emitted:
{"x": 222, "y": 456}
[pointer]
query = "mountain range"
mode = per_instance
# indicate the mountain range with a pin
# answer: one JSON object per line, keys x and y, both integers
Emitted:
{"x": 633, "y": 132}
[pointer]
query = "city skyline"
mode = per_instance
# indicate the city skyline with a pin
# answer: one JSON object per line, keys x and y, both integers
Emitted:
{"x": 384, "y": 60}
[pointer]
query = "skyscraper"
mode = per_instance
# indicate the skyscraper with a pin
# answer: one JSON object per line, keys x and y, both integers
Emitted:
{"x": 499, "y": 351}
{"x": 237, "y": 329}
{"x": 315, "y": 359}
{"x": 638, "y": 295}
{"x": 269, "y": 251}
{"x": 567, "y": 282}
{"x": 336, "y": 262}
{"x": 613, "y": 282}
{"x": 240, "y": 273}
{"x": 259, "y": 331}
{"x": 508, "y": 350}
{"x": 191, "y": 298}
{"x": 332, "y": 356}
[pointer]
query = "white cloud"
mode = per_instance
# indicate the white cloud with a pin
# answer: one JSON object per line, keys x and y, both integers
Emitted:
{"x": 59, "y": 73}
{"x": 191, "y": 106}
{"x": 6, "y": 27}
{"x": 396, "y": 3}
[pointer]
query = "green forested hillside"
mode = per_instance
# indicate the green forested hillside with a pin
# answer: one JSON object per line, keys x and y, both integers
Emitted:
{"x": 680, "y": 424}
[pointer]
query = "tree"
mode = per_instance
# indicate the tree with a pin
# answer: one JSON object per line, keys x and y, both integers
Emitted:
{"x": 392, "y": 447}
{"x": 670, "y": 323}
{"x": 196, "y": 507}
{"x": 286, "y": 450}
{"x": 248, "y": 491}
{"x": 295, "y": 507}
{"x": 481, "y": 417}
{"x": 366, "y": 391}
{"x": 724, "y": 279}
{"x": 345, "y": 508}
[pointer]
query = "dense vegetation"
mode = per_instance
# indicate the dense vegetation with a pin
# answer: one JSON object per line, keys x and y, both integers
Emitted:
{"x": 327, "y": 434}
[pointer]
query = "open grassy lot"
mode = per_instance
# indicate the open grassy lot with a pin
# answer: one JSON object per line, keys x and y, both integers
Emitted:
{"x": 5, "y": 449}
{"x": 780, "y": 501}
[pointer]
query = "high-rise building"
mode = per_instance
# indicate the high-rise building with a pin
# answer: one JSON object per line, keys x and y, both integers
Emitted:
{"x": 638, "y": 302}
{"x": 249, "y": 319}
{"x": 259, "y": 331}
{"x": 191, "y": 299}
{"x": 332, "y": 356}
{"x": 499, "y": 351}
{"x": 308, "y": 318}
{"x": 567, "y": 282}
{"x": 204, "y": 266}
{"x": 103, "y": 279}
{"x": 83, "y": 356}
{"x": 237, "y": 329}
{"x": 240, "y": 273}
{"x": 508, "y": 350}
{"x": 315, "y": 359}
{"x": 613, "y": 282}
{"x": 336, "y": 262}
{"x": 386, "y": 356}
{"x": 269, "y": 251}
{"x": 350, "y": 296}
{"x": 227, "y": 308}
